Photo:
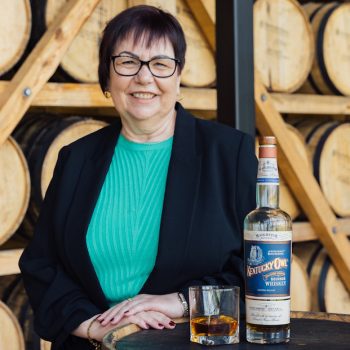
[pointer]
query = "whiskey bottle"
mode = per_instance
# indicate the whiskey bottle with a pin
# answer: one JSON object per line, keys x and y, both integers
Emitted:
{"x": 267, "y": 256}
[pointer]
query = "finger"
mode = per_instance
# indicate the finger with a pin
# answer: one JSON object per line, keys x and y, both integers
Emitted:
{"x": 117, "y": 313}
{"x": 151, "y": 320}
{"x": 115, "y": 317}
{"x": 125, "y": 311}
{"x": 141, "y": 306}
{"x": 107, "y": 315}
{"x": 164, "y": 320}
{"x": 107, "y": 312}
{"x": 138, "y": 321}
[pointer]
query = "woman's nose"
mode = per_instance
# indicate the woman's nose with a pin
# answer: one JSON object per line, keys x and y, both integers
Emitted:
{"x": 144, "y": 75}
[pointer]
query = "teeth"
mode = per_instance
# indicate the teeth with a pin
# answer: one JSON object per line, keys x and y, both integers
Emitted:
{"x": 145, "y": 95}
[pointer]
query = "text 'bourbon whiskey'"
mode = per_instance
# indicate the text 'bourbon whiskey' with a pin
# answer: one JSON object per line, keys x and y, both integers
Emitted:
{"x": 267, "y": 250}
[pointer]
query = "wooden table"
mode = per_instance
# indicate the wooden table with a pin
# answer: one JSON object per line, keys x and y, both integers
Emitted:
{"x": 309, "y": 331}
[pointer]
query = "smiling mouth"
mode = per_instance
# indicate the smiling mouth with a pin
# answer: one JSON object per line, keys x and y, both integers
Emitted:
{"x": 143, "y": 95}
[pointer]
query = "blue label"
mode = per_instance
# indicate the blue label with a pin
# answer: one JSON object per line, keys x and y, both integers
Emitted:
{"x": 267, "y": 268}
{"x": 269, "y": 180}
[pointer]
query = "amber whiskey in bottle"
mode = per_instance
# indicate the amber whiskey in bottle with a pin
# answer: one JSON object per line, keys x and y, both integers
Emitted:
{"x": 267, "y": 256}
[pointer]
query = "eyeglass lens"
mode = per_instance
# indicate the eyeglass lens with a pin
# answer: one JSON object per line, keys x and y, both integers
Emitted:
{"x": 161, "y": 67}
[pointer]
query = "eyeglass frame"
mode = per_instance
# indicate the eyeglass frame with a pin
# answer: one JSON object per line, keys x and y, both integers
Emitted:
{"x": 146, "y": 63}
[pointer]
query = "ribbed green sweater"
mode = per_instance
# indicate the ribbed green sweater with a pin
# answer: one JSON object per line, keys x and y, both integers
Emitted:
{"x": 122, "y": 237}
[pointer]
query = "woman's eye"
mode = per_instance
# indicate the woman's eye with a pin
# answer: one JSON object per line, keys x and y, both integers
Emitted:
{"x": 160, "y": 64}
{"x": 129, "y": 63}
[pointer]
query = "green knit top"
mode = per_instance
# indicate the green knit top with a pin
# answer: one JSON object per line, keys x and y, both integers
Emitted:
{"x": 122, "y": 237}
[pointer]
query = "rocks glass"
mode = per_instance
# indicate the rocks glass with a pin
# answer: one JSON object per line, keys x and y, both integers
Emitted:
{"x": 214, "y": 314}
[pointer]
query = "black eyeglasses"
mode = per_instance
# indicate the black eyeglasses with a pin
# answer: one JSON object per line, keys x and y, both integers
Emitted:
{"x": 160, "y": 67}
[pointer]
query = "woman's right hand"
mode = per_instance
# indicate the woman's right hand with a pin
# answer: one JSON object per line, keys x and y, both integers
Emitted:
{"x": 144, "y": 319}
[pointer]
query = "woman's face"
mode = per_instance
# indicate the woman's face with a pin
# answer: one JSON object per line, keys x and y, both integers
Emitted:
{"x": 144, "y": 97}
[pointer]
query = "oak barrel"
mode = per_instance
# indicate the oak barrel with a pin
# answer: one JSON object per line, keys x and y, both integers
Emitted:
{"x": 300, "y": 287}
{"x": 329, "y": 145}
{"x": 81, "y": 59}
{"x": 14, "y": 188}
{"x": 311, "y": 331}
{"x": 11, "y": 336}
{"x": 283, "y": 44}
{"x": 41, "y": 138}
{"x": 200, "y": 68}
{"x": 165, "y": 5}
{"x": 328, "y": 291}
{"x": 13, "y": 294}
{"x": 330, "y": 73}
{"x": 15, "y": 28}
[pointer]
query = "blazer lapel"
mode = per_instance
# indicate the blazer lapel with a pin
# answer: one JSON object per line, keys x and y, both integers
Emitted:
{"x": 179, "y": 202}
{"x": 90, "y": 183}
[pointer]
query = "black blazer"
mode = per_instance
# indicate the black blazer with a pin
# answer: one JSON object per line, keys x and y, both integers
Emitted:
{"x": 210, "y": 188}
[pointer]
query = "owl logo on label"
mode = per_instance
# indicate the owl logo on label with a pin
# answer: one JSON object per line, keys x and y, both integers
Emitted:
{"x": 256, "y": 255}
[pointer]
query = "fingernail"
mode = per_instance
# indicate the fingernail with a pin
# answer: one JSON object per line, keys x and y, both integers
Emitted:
{"x": 125, "y": 312}
{"x": 160, "y": 325}
{"x": 171, "y": 323}
{"x": 100, "y": 319}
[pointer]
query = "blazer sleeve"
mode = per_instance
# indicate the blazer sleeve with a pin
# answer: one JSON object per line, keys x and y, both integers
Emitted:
{"x": 59, "y": 303}
{"x": 244, "y": 202}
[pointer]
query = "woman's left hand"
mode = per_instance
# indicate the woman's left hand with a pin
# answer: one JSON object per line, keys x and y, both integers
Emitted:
{"x": 167, "y": 304}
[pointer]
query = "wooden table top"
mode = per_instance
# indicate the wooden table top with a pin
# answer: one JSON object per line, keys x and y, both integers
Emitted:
{"x": 309, "y": 331}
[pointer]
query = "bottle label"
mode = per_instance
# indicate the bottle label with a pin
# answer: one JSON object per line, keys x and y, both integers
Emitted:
{"x": 267, "y": 312}
{"x": 267, "y": 269}
{"x": 267, "y": 171}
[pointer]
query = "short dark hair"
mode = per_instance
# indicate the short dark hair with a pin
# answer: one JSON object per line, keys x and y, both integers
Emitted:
{"x": 139, "y": 21}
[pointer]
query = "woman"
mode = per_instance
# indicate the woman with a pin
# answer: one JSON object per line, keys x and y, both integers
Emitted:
{"x": 142, "y": 209}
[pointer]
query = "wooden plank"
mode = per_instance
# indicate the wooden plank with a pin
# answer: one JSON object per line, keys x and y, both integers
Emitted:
{"x": 303, "y": 184}
{"x": 310, "y": 104}
{"x": 9, "y": 261}
{"x": 90, "y": 95}
{"x": 303, "y": 231}
{"x": 204, "y": 19}
{"x": 320, "y": 316}
{"x": 41, "y": 63}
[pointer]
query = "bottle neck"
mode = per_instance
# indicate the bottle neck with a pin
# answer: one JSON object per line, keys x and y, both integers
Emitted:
{"x": 267, "y": 189}
{"x": 267, "y": 196}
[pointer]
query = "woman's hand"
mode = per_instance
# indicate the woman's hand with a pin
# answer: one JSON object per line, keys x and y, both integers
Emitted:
{"x": 97, "y": 331}
{"x": 167, "y": 304}
{"x": 144, "y": 319}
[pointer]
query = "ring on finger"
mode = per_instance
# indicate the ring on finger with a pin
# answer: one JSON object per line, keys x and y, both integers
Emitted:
{"x": 129, "y": 299}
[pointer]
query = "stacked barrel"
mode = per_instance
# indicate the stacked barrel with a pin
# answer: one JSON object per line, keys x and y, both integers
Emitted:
{"x": 28, "y": 158}
{"x": 29, "y": 155}
{"x": 305, "y": 48}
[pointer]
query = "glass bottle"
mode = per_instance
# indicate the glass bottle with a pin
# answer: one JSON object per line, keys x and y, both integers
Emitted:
{"x": 267, "y": 249}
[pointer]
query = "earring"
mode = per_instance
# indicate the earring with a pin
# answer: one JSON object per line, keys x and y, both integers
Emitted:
{"x": 107, "y": 94}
